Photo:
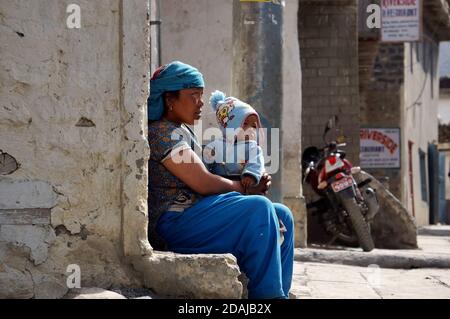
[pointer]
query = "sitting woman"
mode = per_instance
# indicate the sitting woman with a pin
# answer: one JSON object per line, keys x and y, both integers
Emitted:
{"x": 193, "y": 211}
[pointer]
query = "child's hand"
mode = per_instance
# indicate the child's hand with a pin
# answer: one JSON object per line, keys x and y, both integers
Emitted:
{"x": 263, "y": 186}
{"x": 248, "y": 181}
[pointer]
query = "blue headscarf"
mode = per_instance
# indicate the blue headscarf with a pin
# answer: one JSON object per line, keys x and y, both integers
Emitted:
{"x": 170, "y": 77}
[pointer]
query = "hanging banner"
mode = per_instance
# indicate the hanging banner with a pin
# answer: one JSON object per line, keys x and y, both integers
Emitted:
{"x": 380, "y": 147}
{"x": 401, "y": 20}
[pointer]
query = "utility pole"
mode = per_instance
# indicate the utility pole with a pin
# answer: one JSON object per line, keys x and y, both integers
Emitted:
{"x": 257, "y": 72}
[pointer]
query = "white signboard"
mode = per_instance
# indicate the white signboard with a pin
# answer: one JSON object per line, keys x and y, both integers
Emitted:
{"x": 380, "y": 147}
{"x": 401, "y": 20}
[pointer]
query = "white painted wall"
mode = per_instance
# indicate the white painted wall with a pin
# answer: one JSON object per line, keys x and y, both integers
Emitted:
{"x": 199, "y": 32}
{"x": 419, "y": 119}
{"x": 291, "y": 121}
{"x": 292, "y": 101}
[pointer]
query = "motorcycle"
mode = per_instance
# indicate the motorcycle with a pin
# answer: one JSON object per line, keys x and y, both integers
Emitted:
{"x": 345, "y": 208}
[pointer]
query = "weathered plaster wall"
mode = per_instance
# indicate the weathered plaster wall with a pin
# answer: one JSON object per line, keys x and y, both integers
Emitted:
{"x": 62, "y": 116}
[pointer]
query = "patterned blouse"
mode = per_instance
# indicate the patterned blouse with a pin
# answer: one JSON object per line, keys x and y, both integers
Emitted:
{"x": 165, "y": 191}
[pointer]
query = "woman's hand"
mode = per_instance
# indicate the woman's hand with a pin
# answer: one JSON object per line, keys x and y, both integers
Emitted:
{"x": 262, "y": 188}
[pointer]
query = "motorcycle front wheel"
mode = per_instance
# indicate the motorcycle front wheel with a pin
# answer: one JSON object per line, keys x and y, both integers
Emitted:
{"x": 360, "y": 225}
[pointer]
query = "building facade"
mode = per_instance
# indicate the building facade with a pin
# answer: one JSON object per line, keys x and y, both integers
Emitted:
{"x": 401, "y": 94}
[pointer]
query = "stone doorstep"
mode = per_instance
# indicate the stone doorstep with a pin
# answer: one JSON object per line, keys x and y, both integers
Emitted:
{"x": 199, "y": 276}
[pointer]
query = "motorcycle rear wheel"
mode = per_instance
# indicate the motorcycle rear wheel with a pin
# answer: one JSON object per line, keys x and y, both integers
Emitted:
{"x": 360, "y": 225}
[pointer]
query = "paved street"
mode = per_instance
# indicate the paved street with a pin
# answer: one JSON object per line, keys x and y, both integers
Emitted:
{"x": 378, "y": 275}
{"x": 317, "y": 280}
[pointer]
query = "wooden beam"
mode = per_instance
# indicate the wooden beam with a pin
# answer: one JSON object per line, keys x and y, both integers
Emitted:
{"x": 30, "y": 216}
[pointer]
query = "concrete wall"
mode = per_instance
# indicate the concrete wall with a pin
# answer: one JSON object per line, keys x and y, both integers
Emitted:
{"x": 72, "y": 113}
{"x": 155, "y": 34}
{"x": 292, "y": 121}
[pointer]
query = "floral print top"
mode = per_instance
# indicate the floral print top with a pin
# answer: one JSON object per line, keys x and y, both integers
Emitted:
{"x": 165, "y": 191}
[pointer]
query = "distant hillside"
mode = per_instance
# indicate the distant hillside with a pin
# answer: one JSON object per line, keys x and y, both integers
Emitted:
{"x": 444, "y": 59}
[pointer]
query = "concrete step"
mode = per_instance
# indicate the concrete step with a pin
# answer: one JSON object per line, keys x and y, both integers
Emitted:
{"x": 397, "y": 259}
{"x": 435, "y": 230}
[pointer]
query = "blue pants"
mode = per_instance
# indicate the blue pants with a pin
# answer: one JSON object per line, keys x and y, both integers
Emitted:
{"x": 245, "y": 226}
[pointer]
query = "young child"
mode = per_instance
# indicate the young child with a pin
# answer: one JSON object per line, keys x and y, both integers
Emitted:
{"x": 237, "y": 155}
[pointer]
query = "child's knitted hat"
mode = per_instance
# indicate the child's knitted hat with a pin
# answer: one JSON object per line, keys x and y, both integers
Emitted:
{"x": 230, "y": 111}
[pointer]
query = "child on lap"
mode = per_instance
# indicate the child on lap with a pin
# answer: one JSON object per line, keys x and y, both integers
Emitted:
{"x": 237, "y": 155}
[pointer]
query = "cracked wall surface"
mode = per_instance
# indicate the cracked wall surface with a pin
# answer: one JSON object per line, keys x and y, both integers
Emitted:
{"x": 71, "y": 114}
{"x": 74, "y": 192}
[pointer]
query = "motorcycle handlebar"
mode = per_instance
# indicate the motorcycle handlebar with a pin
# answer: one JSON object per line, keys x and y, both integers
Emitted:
{"x": 333, "y": 145}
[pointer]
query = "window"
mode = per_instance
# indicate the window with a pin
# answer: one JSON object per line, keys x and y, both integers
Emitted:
{"x": 423, "y": 175}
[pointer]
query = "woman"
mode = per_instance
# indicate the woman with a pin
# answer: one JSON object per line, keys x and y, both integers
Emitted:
{"x": 193, "y": 211}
